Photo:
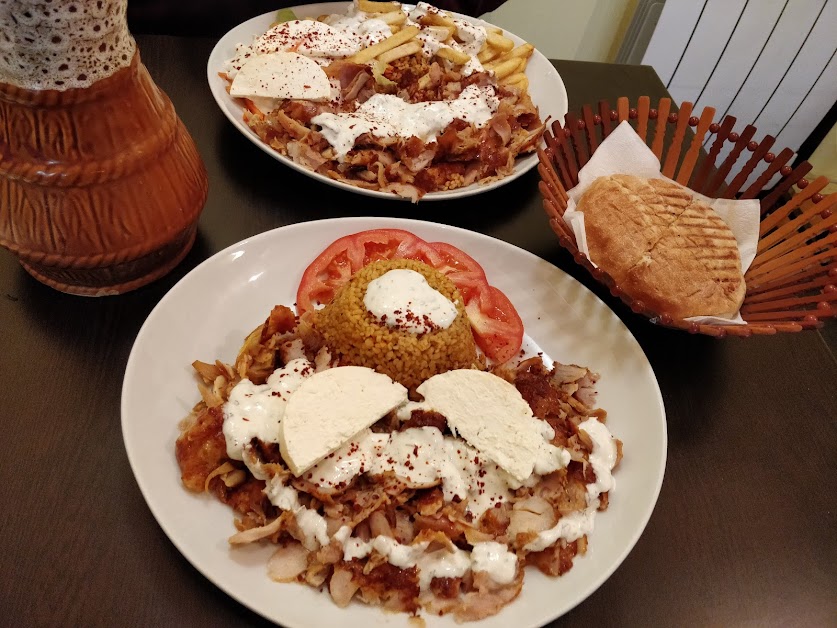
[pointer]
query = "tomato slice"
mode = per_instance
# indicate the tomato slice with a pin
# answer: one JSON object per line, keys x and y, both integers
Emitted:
{"x": 455, "y": 260}
{"x": 496, "y": 325}
{"x": 347, "y": 255}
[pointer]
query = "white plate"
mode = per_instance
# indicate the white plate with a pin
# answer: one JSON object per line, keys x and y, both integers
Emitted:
{"x": 545, "y": 87}
{"x": 210, "y": 311}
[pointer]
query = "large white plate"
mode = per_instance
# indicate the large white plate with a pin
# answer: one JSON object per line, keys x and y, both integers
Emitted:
{"x": 211, "y": 310}
{"x": 545, "y": 87}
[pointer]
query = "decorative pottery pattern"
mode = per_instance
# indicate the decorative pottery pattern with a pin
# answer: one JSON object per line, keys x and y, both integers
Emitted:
{"x": 63, "y": 44}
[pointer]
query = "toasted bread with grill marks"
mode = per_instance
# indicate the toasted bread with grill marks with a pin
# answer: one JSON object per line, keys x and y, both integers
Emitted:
{"x": 662, "y": 246}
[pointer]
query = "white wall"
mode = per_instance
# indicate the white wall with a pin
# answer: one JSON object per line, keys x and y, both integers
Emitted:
{"x": 566, "y": 29}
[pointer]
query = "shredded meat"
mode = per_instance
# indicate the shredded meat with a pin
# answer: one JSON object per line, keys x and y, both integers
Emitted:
{"x": 303, "y": 154}
{"x": 460, "y": 155}
{"x": 374, "y": 507}
{"x": 424, "y": 418}
{"x": 281, "y": 320}
{"x": 201, "y": 448}
{"x": 554, "y": 561}
{"x": 388, "y": 586}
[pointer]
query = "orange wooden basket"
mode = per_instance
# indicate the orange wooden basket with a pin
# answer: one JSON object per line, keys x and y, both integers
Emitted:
{"x": 791, "y": 282}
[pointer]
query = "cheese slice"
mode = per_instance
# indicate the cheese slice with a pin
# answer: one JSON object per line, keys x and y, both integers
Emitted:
{"x": 285, "y": 75}
{"x": 332, "y": 407}
{"x": 491, "y": 415}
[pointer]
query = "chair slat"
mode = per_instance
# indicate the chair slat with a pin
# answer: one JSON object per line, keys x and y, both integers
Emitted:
{"x": 758, "y": 185}
{"x": 773, "y": 220}
{"x": 720, "y": 137}
{"x": 690, "y": 159}
{"x": 622, "y": 108}
{"x": 780, "y": 304}
{"x": 795, "y": 288}
{"x": 741, "y": 178}
{"x": 663, "y": 108}
{"x": 673, "y": 154}
{"x": 785, "y": 184}
{"x": 604, "y": 112}
{"x": 799, "y": 238}
{"x": 798, "y": 261}
{"x": 577, "y": 140}
{"x": 643, "y": 106}
{"x": 720, "y": 176}
{"x": 590, "y": 128}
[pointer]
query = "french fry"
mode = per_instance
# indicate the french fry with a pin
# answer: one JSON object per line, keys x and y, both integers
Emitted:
{"x": 499, "y": 41}
{"x": 442, "y": 33}
{"x": 437, "y": 19}
{"x": 506, "y": 68}
{"x": 393, "y": 41}
{"x": 451, "y": 54}
{"x": 369, "y": 6}
{"x": 392, "y": 18}
{"x": 521, "y": 84}
{"x": 521, "y": 54}
{"x": 487, "y": 54}
{"x": 493, "y": 29}
{"x": 523, "y": 51}
{"x": 404, "y": 50}
{"x": 517, "y": 77}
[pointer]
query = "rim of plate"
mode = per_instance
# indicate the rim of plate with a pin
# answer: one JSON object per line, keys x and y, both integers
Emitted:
{"x": 220, "y": 53}
{"x": 353, "y": 225}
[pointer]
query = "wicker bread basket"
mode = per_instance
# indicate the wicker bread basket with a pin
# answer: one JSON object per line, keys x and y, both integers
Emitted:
{"x": 791, "y": 282}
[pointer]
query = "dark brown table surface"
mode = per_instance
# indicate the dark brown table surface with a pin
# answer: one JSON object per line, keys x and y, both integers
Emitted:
{"x": 744, "y": 532}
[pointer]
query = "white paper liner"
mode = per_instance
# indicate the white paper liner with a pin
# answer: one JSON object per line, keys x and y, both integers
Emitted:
{"x": 624, "y": 152}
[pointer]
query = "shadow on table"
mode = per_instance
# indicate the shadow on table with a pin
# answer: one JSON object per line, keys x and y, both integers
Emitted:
{"x": 70, "y": 319}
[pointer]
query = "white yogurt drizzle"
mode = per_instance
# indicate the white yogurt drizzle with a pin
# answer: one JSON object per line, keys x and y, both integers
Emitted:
{"x": 403, "y": 299}
{"x": 385, "y": 115}
{"x": 311, "y": 523}
{"x": 420, "y": 456}
{"x": 256, "y": 410}
{"x": 493, "y": 558}
{"x": 575, "y": 525}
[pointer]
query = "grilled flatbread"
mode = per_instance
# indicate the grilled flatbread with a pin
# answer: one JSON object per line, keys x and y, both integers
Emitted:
{"x": 663, "y": 247}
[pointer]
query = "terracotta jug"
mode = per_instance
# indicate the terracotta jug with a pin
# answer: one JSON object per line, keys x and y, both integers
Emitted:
{"x": 101, "y": 185}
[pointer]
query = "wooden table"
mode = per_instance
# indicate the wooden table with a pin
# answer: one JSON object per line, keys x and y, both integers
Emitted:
{"x": 745, "y": 530}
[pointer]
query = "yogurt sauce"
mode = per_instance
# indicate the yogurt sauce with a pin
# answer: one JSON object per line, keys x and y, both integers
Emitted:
{"x": 420, "y": 456}
{"x": 493, "y": 558}
{"x": 573, "y": 526}
{"x": 368, "y": 30}
{"x": 385, "y": 115}
{"x": 403, "y": 299}
{"x": 311, "y": 523}
{"x": 256, "y": 410}
{"x": 490, "y": 557}
{"x": 471, "y": 36}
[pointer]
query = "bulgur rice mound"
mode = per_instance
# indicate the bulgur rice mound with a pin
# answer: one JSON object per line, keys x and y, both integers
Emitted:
{"x": 355, "y": 337}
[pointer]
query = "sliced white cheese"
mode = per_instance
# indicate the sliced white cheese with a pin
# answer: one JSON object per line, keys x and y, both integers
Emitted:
{"x": 332, "y": 407}
{"x": 281, "y": 75}
{"x": 491, "y": 415}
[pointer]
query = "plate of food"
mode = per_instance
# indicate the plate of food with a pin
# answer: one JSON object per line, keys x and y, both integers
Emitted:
{"x": 362, "y": 415}
{"x": 386, "y": 99}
